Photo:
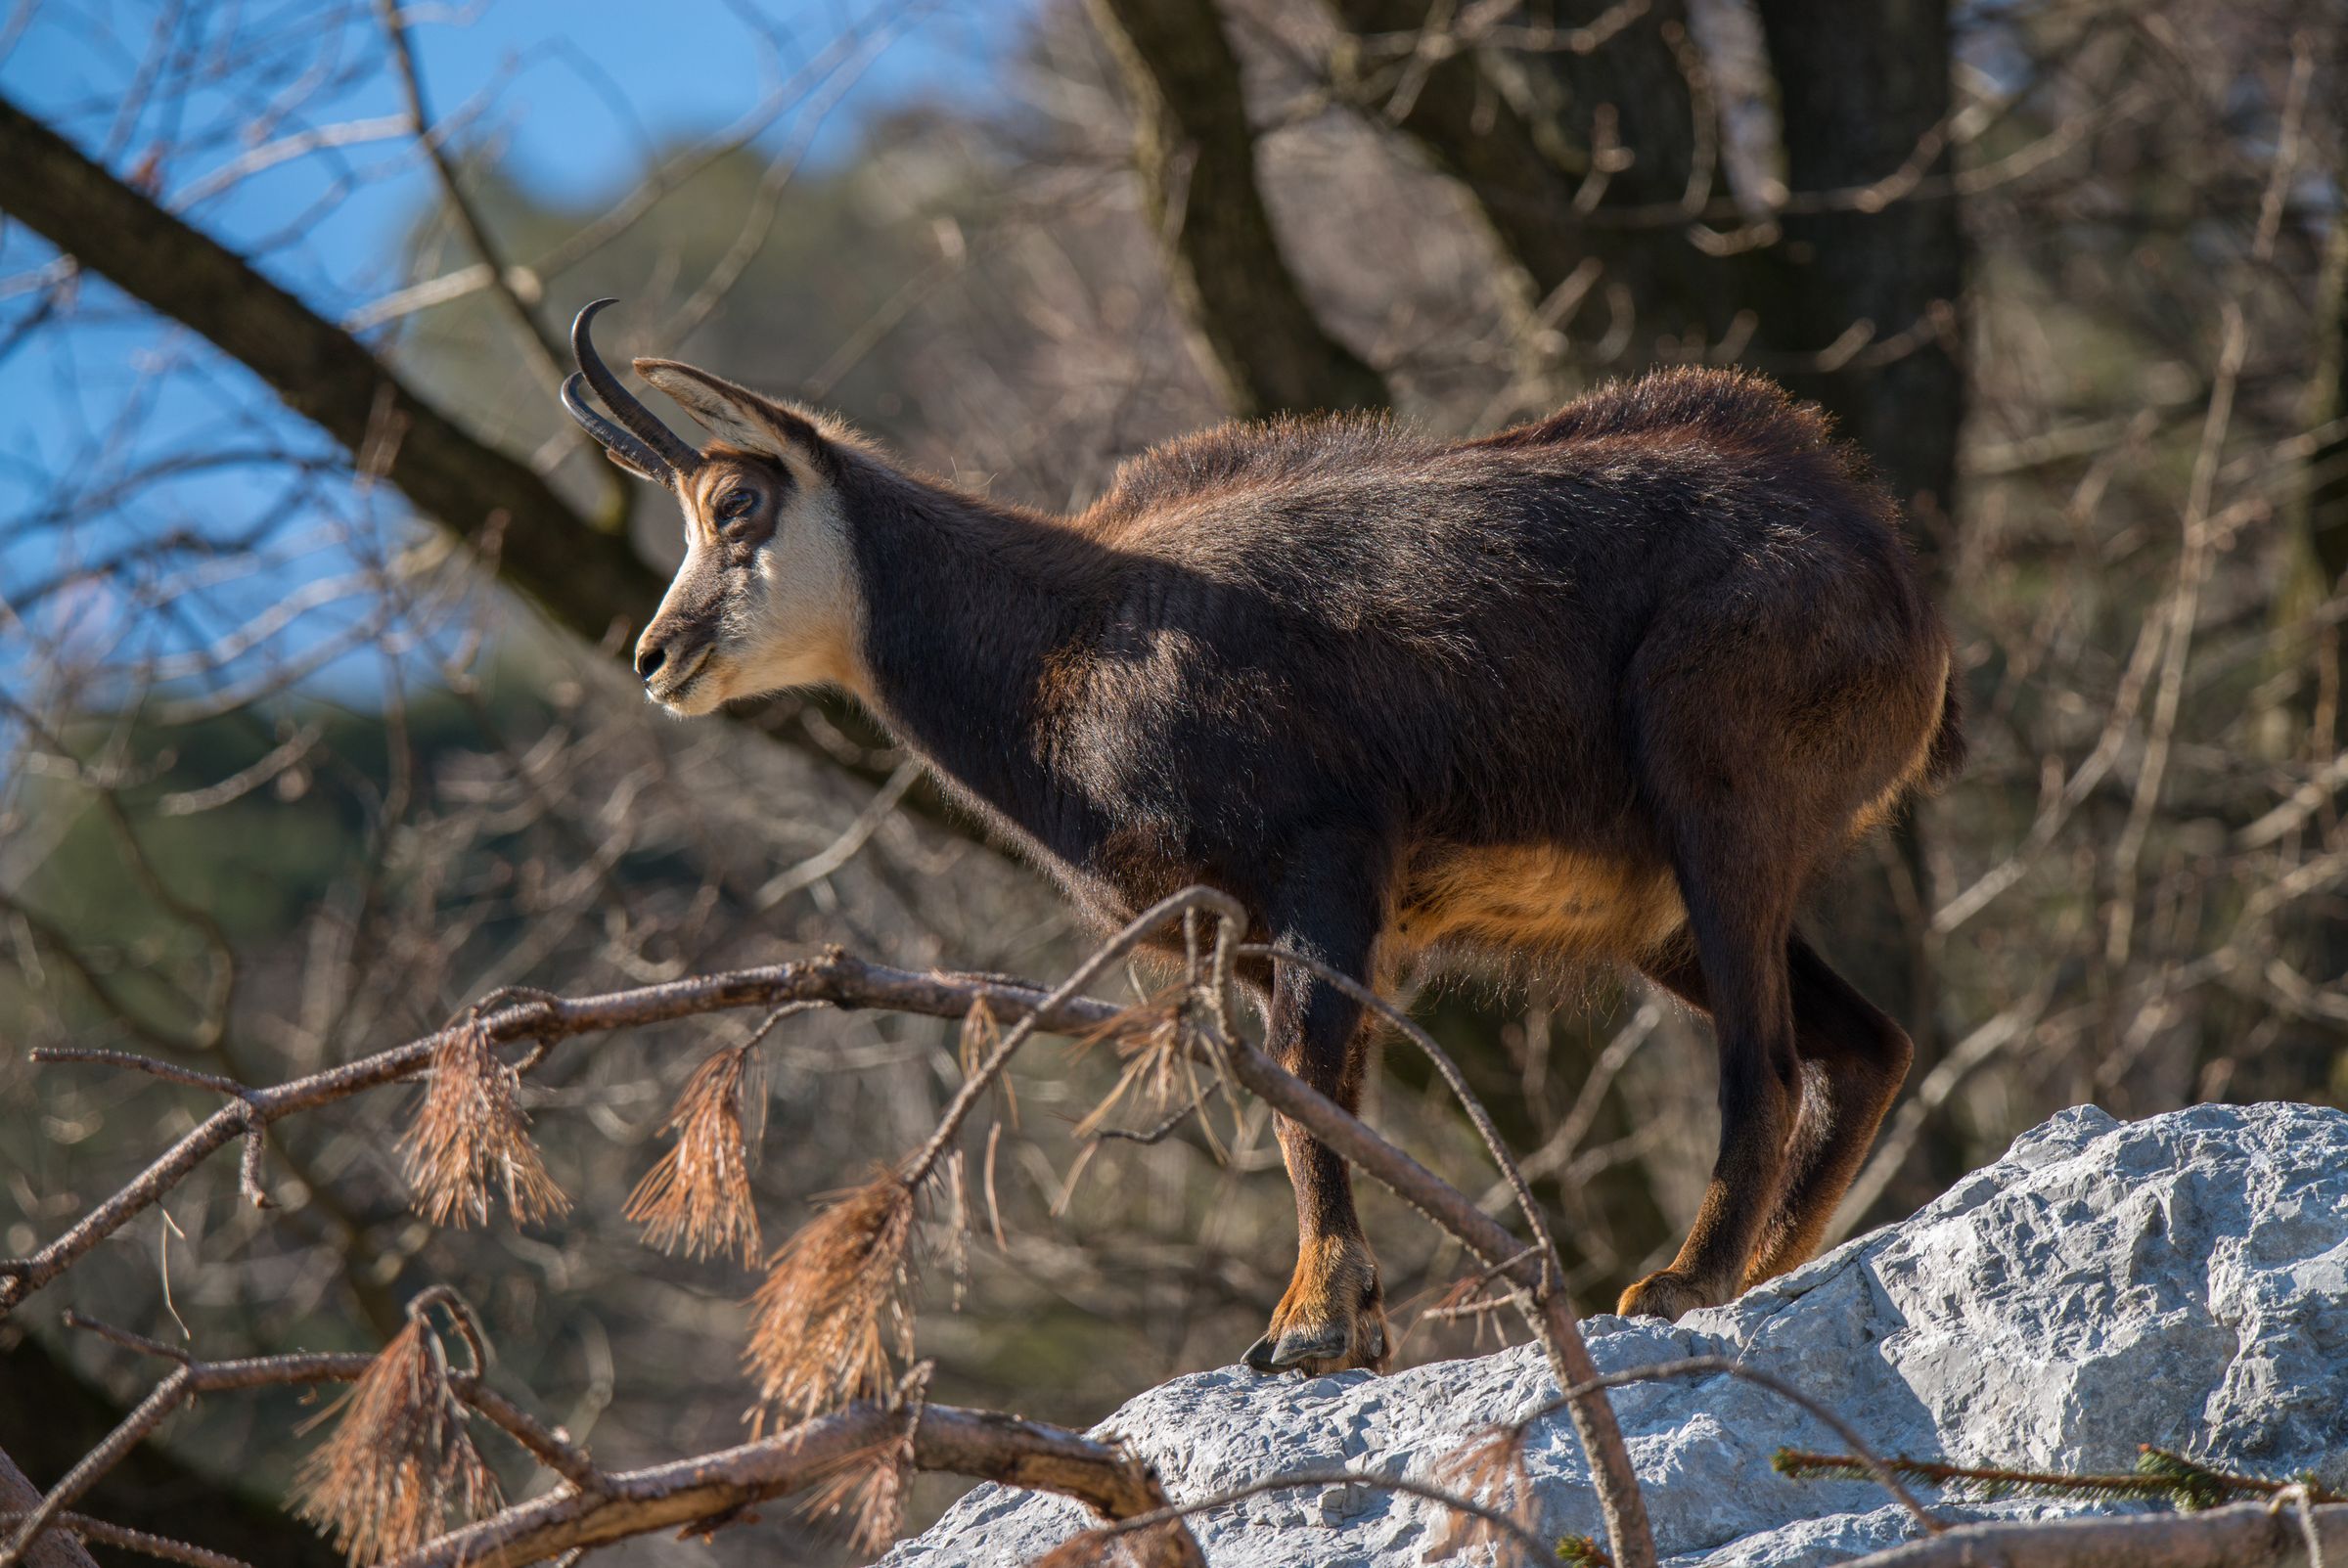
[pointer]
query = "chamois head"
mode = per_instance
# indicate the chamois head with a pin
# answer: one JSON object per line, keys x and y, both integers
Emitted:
{"x": 766, "y": 596}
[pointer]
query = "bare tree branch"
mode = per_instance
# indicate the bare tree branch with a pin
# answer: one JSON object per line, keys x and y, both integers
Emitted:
{"x": 585, "y": 579}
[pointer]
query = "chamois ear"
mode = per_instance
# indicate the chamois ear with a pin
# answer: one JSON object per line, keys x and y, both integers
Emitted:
{"x": 736, "y": 413}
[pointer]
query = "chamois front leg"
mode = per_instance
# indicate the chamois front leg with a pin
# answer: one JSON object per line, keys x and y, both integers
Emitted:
{"x": 1333, "y": 1316}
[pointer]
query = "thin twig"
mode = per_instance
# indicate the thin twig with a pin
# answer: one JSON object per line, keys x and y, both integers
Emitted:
{"x": 843, "y": 849}
{"x": 2222, "y": 1538}
{"x": 544, "y": 346}
{"x": 1158, "y": 1132}
{"x": 1136, "y": 932}
{"x": 169, "y": 1072}
{"x": 129, "y": 1540}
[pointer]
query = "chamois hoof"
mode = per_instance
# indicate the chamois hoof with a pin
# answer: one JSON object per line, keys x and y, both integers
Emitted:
{"x": 1318, "y": 1348}
{"x": 1313, "y": 1350}
{"x": 1666, "y": 1293}
{"x": 1332, "y": 1317}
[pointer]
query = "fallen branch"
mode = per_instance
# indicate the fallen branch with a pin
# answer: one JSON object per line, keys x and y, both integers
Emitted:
{"x": 594, "y": 1507}
{"x": 1863, "y": 1458}
{"x": 1015, "y": 1452}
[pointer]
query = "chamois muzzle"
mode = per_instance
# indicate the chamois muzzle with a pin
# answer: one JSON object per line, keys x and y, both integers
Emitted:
{"x": 646, "y": 444}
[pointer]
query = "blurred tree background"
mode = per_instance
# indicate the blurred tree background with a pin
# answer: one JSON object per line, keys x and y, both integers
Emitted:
{"x": 315, "y": 726}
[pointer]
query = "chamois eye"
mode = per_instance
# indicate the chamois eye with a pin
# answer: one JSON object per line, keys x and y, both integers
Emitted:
{"x": 735, "y": 505}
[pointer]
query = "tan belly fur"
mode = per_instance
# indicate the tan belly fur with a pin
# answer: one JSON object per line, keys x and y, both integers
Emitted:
{"x": 1536, "y": 898}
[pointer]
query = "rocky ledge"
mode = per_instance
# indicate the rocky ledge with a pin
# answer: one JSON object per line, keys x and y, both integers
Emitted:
{"x": 2181, "y": 1282}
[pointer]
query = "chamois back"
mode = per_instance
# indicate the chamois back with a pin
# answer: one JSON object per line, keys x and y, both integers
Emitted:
{"x": 1725, "y": 407}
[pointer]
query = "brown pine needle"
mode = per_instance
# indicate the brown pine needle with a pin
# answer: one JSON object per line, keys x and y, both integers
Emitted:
{"x": 1112, "y": 1548}
{"x": 981, "y": 1033}
{"x": 1089, "y": 1549}
{"x": 1154, "y": 1040}
{"x": 1491, "y": 1471}
{"x": 471, "y": 1135}
{"x": 401, "y": 1458}
{"x": 866, "y": 1492}
{"x": 700, "y": 1192}
{"x": 832, "y": 1319}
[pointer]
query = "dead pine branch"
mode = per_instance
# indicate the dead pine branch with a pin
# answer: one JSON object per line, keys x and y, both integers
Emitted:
{"x": 471, "y": 1140}
{"x": 472, "y": 1046}
{"x": 401, "y": 1458}
{"x": 401, "y": 1454}
{"x": 832, "y": 1320}
{"x": 698, "y": 1195}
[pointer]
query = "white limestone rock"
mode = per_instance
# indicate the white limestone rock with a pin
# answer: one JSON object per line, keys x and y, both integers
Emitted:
{"x": 2181, "y": 1282}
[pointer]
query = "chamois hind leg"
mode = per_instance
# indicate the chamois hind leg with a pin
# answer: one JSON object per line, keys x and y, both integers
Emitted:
{"x": 1333, "y": 1316}
{"x": 1739, "y": 918}
{"x": 1853, "y": 1059}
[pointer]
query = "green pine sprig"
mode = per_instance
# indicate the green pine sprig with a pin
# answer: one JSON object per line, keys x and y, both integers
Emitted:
{"x": 2161, "y": 1475}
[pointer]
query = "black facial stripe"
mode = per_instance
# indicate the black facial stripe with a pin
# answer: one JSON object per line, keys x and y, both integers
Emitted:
{"x": 764, "y": 483}
{"x": 741, "y": 541}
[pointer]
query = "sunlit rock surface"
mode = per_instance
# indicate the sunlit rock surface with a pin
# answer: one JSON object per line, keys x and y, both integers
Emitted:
{"x": 2180, "y": 1282}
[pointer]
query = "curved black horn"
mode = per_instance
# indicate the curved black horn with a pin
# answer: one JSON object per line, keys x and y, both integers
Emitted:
{"x": 672, "y": 453}
{"x": 610, "y": 436}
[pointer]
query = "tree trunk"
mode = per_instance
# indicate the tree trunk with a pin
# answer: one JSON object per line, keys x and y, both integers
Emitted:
{"x": 1858, "y": 308}
{"x": 1864, "y": 93}
{"x": 1256, "y": 336}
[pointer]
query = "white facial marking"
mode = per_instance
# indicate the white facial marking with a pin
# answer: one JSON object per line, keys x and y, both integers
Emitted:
{"x": 786, "y": 618}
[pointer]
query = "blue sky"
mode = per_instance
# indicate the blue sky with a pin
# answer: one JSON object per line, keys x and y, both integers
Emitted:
{"x": 575, "y": 97}
{"x": 574, "y": 101}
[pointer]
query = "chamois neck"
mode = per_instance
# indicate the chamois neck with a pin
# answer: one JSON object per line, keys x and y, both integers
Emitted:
{"x": 963, "y": 601}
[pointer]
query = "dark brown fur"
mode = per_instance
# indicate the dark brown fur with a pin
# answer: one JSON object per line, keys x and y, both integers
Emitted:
{"x": 1616, "y": 686}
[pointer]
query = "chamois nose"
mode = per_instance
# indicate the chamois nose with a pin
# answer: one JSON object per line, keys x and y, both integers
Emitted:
{"x": 650, "y": 656}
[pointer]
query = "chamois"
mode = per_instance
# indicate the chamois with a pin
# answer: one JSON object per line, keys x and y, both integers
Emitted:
{"x": 1613, "y": 685}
